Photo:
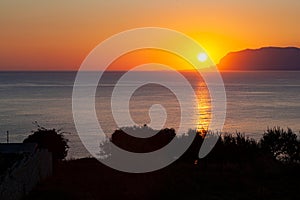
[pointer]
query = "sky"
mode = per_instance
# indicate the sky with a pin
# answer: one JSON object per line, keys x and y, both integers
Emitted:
{"x": 58, "y": 35}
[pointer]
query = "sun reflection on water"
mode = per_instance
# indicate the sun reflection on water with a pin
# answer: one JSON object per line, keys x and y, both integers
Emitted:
{"x": 204, "y": 108}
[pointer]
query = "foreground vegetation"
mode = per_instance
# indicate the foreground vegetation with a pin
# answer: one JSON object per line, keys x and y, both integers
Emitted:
{"x": 276, "y": 144}
{"x": 237, "y": 168}
{"x": 51, "y": 139}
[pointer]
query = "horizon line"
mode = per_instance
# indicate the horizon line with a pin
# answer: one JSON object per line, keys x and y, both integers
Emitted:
{"x": 11, "y": 71}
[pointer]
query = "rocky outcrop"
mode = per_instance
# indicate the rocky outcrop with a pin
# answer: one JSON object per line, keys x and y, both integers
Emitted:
{"x": 266, "y": 58}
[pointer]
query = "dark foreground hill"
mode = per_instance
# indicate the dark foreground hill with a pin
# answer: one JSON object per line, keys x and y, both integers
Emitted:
{"x": 266, "y": 58}
{"x": 237, "y": 168}
{"x": 88, "y": 179}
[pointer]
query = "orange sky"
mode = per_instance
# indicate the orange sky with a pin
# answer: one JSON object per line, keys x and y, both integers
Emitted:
{"x": 139, "y": 57}
{"x": 57, "y": 35}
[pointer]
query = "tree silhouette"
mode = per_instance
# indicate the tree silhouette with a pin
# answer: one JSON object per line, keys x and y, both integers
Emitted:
{"x": 128, "y": 138}
{"x": 281, "y": 144}
{"x": 51, "y": 139}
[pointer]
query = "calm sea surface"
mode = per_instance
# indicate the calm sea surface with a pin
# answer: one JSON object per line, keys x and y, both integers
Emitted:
{"x": 255, "y": 101}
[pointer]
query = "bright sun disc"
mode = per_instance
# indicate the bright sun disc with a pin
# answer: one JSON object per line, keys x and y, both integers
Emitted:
{"x": 202, "y": 57}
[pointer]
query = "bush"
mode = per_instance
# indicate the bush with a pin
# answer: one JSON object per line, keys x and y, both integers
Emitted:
{"x": 234, "y": 148}
{"x": 51, "y": 139}
{"x": 281, "y": 144}
{"x": 276, "y": 145}
{"x": 152, "y": 139}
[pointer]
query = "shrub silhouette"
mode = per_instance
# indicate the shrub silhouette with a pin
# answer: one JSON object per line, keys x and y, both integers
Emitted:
{"x": 229, "y": 148}
{"x": 192, "y": 152}
{"x": 226, "y": 173}
{"x": 128, "y": 138}
{"x": 281, "y": 144}
{"x": 276, "y": 145}
{"x": 51, "y": 139}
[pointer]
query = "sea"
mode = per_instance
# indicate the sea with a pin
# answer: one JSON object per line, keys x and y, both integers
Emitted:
{"x": 256, "y": 101}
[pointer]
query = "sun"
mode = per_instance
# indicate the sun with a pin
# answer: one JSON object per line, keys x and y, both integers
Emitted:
{"x": 202, "y": 57}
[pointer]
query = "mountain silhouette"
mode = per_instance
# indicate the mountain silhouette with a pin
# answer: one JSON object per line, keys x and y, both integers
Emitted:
{"x": 266, "y": 58}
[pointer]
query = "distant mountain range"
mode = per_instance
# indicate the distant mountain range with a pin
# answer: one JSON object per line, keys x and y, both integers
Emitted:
{"x": 266, "y": 58}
